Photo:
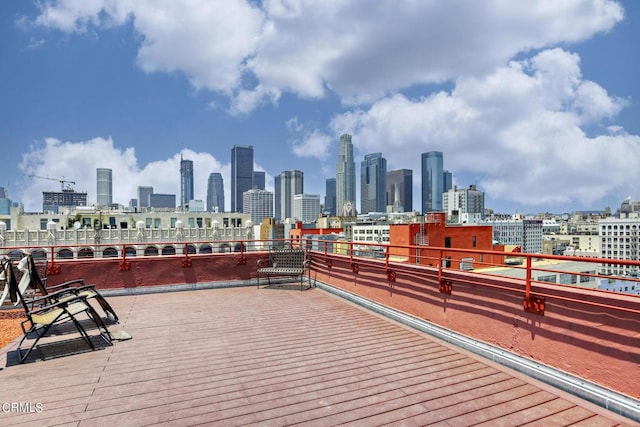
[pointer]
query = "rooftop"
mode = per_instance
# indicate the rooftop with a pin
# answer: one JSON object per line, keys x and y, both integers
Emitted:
{"x": 274, "y": 356}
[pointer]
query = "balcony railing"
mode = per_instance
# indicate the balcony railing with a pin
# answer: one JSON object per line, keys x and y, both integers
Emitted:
{"x": 506, "y": 299}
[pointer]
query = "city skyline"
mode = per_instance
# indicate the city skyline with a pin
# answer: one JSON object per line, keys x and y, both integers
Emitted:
{"x": 523, "y": 98}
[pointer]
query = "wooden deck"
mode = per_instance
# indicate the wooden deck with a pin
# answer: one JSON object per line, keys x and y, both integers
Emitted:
{"x": 242, "y": 356}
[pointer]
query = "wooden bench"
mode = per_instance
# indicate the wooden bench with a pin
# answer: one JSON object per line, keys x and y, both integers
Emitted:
{"x": 283, "y": 262}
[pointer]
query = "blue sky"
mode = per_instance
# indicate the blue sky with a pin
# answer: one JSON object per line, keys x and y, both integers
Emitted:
{"x": 535, "y": 102}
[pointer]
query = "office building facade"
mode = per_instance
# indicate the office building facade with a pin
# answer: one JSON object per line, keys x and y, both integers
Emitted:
{"x": 402, "y": 180}
{"x": 143, "y": 197}
{"x": 288, "y": 184}
{"x": 53, "y": 200}
{"x": 241, "y": 175}
{"x": 186, "y": 182}
{"x": 435, "y": 181}
{"x": 330, "y": 197}
{"x": 162, "y": 201}
{"x": 373, "y": 183}
{"x": 215, "y": 193}
{"x": 306, "y": 207}
{"x": 464, "y": 206}
{"x": 104, "y": 186}
{"x": 259, "y": 178}
{"x": 258, "y": 204}
{"x": 345, "y": 178}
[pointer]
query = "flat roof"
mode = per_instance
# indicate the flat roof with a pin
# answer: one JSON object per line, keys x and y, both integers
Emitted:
{"x": 272, "y": 356}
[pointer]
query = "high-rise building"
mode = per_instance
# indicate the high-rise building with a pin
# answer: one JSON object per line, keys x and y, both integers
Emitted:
{"x": 258, "y": 204}
{"x": 465, "y": 206}
{"x": 104, "y": 181}
{"x": 215, "y": 193}
{"x": 330, "y": 197}
{"x": 259, "y": 178}
{"x": 404, "y": 180}
{"x": 143, "y": 197}
{"x": 373, "y": 183}
{"x": 241, "y": 175}
{"x": 345, "y": 178}
{"x": 447, "y": 181}
{"x": 277, "y": 195}
{"x": 432, "y": 181}
{"x": 288, "y": 184}
{"x": 306, "y": 207}
{"x": 5, "y": 203}
{"x": 186, "y": 182}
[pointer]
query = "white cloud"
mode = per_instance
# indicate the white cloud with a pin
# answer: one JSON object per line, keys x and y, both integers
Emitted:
{"x": 359, "y": 50}
{"x": 517, "y": 129}
{"x": 78, "y": 161}
{"x": 314, "y": 144}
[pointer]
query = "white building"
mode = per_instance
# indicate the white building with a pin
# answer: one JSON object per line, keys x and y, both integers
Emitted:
{"x": 258, "y": 204}
{"x": 306, "y": 207}
{"x": 526, "y": 233}
{"x": 463, "y": 205}
{"x": 619, "y": 241}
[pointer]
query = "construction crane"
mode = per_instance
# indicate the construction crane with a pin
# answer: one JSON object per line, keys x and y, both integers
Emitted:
{"x": 65, "y": 184}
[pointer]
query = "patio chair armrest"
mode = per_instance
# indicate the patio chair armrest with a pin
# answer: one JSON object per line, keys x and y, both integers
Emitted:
{"x": 65, "y": 285}
{"x": 59, "y": 304}
{"x": 262, "y": 263}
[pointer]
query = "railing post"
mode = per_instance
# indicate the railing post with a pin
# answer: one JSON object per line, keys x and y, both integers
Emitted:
{"x": 531, "y": 303}
{"x": 242, "y": 260}
{"x": 391, "y": 274}
{"x": 124, "y": 265}
{"x": 53, "y": 269}
{"x": 354, "y": 266}
{"x": 444, "y": 285}
{"x": 186, "y": 262}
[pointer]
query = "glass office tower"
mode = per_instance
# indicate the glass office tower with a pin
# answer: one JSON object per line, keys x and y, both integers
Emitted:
{"x": 241, "y": 174}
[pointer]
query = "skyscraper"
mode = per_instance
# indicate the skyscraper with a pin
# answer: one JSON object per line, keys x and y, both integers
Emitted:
{"x": 241, "y": 174}
{"x": 288, "y": 184}
{"x": 373, "y": 183}
{"x": 143, "y": 197}
{"x": 259, "y": 178}
{"x": 186, "y": 182}
{"x": 345, "y": 177}
{"x": 104, "y": 181}
{"x": 432, "y": 181}
{"x": 330, "y": 197}
{"x": 404, "y": 179}
{"x": 215, "y": 193}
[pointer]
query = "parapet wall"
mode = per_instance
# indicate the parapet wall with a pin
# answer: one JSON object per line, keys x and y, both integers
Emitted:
{"x": 593, "y": 335}
{"x": 590, "y": 334}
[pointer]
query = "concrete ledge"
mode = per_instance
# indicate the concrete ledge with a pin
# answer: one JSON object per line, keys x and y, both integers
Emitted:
{"x": 616, "y": 402}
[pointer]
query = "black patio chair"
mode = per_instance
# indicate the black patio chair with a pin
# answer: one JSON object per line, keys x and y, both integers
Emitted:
{"x": 43, "y": 313}
{"x": 69, "y": 289}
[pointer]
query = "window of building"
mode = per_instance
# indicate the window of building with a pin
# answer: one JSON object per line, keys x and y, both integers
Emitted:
{"x": 447, "y": 242}
{"x": 473, "y": 241}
